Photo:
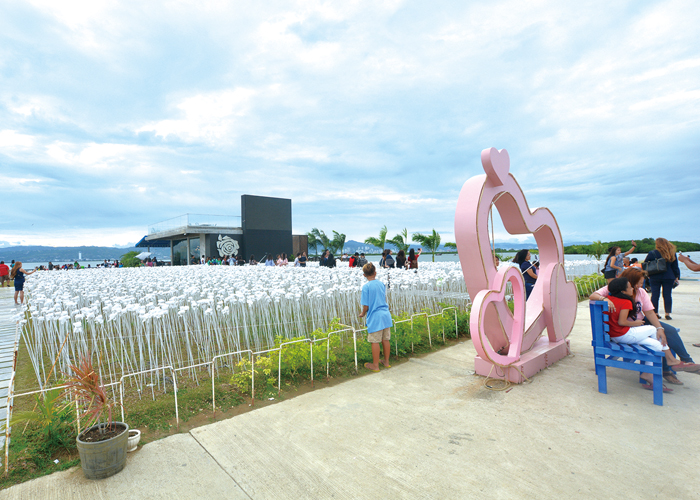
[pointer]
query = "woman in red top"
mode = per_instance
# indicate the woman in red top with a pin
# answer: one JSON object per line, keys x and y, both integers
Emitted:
{"x": 625, "y": 330}
{"x": 412, "y": 259}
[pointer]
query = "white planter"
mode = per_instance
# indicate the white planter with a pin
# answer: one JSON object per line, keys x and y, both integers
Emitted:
{"x": 134, "y": 437}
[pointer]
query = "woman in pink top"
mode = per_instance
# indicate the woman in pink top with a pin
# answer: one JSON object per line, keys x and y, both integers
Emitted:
{"x": 669, "y": 336}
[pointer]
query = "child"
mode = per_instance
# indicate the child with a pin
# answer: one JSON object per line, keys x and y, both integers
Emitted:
{"x": 379, "y": 320}
{"x": 624, "y": 330}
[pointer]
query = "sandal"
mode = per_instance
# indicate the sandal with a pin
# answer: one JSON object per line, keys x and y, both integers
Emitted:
{"x": 650, "y": 387}
{"x": 672, "y": 379}
{"x": 696, "y": 345}
{"x": 370, "y": 368}
{"x": 385, "y": 365}
{"x": 668, "y": 317}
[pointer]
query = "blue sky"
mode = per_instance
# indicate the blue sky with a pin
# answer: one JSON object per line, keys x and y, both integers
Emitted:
{"x": 114, "y": 116}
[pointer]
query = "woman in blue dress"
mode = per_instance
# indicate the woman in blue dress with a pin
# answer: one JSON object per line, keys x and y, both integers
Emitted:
{"x": 18, "y": 274}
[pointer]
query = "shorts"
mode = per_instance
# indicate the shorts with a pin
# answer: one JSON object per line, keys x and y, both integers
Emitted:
{"x": 609, "y": 275}
{"x": 19, "y": 286}
{"x": 376, "y": 337}
{"x": 5, "y": 278}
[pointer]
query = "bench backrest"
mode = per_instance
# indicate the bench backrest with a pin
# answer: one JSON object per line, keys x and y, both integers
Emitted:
{"x": 599, "y": 327}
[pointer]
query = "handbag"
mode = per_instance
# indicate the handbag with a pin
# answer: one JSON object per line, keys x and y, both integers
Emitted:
{"x": 657, "y": 266}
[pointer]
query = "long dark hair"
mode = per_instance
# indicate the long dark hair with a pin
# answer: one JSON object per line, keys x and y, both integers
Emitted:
{"x": 618, "y": 287}
{"x": 411, "y": 253}
{"x": 521, "y": 256}
{"x": 613, "y": 251}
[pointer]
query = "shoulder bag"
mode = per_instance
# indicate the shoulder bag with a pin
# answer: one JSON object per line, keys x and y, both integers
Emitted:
{"x": 653, "y": 267}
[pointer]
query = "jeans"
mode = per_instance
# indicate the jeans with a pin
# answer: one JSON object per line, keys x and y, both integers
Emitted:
{"x": 667, "y": 285}
{"x": 674, "y": 341}
{"x": 528, "y": 289}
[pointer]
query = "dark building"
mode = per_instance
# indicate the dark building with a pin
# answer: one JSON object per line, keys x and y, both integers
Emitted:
{"x": 264, "y": 226}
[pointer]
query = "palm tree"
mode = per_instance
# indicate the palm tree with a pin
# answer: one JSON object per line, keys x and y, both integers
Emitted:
{"x": 312, "y": 242}
{"x": 321, "y": 238}
{"x": 378, "y": 242}
{"x": 596, "y": 250}
{"x": 451, "y": 245}
{"x": 432, "y": 241}
{"x": 400, "y": 241}
{"x": 337, "y": 243}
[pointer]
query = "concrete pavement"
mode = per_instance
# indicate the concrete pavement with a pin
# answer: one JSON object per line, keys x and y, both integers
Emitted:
{"x": 430, "y": 429}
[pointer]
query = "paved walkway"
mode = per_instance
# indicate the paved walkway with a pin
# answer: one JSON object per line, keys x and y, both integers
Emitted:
{"x": 7, "y": 352}
{"x": 429, "y": 428}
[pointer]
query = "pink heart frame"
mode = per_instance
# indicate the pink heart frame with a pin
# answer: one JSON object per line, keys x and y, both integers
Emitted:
{"x": 552, "y": 302}
{"x": 477, "y": 320}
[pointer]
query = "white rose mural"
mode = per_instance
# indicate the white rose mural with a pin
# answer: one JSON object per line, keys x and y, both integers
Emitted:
{"x": 227, "y": 246}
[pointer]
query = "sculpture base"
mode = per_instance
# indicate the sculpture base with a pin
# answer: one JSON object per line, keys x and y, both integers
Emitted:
{"x": 543, "y": 354}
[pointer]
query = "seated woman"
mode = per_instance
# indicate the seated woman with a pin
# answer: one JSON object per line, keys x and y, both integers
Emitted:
{"x": 670, "y": 335}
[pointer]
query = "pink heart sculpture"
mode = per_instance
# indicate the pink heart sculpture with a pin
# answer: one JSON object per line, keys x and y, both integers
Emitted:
{"x": 552, "y": 302}
{"x": 477, "y": 320}
{"x": 496, "y": 165}
{"x": 562, "y": 297}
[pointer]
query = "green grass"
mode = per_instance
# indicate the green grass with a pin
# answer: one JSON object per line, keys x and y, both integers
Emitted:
{"x": 32, "y": 456}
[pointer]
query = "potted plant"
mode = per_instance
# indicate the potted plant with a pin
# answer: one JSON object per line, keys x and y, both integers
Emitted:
{"x": 102, "y": 445}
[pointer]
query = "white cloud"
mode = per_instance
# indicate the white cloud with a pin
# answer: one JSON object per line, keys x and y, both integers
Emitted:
{"x": 214, "y": 117}
{"x": 363, "y": 108}
{"x": 11, "y": 139}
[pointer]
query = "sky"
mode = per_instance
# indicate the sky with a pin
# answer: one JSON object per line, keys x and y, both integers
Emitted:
{"x": 118, "y": 115}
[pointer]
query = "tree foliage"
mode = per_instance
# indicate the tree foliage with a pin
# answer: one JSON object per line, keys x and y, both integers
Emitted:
{"x": 129, "y": 260}
{"x": 337, "y": 244}
{"x": 320, "y": 238}
{"x": 400, "y": 241}
{"x": 430, "y": 241}
{"x": 378, "y": 242}
{"x": 644, "y": 245}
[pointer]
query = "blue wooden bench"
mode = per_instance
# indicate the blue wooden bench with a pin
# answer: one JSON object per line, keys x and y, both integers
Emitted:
{"x": 607, "y": 353}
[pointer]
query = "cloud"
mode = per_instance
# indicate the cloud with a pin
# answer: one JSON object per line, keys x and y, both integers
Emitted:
{"x": 362, "y": 113}
{"x": 212, "y": 118}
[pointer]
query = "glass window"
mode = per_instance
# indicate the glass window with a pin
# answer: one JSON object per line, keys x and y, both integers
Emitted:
{"x": 179, "y": 253}
{"x": 195, "y": 254}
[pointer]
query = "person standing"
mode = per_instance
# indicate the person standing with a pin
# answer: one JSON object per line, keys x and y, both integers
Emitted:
{"x": 667, "y": 279}
{"x": 379, "y": 322}
{"x": 401, "y": 260}
{"x": 413, "y": 258}
{"x": 528, "y": 270}
{"x": 330, "y": 260}
{"x": 4, "y": 273}
{"x": 18, "y": 274}
{"x": 361, "y": 261}
{"x": 303, "y": 259}
{"x": 388, "y": 260}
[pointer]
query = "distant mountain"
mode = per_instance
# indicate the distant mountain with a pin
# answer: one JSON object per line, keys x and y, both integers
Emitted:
{"x": 58, "y": 254}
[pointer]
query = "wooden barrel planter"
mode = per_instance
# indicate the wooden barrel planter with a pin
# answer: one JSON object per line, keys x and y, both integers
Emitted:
{"x": 101, "y": 459}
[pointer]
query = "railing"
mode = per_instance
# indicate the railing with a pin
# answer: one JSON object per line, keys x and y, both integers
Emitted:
{"x": 195, "y": 220}
{"x": 212, "y": 366}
